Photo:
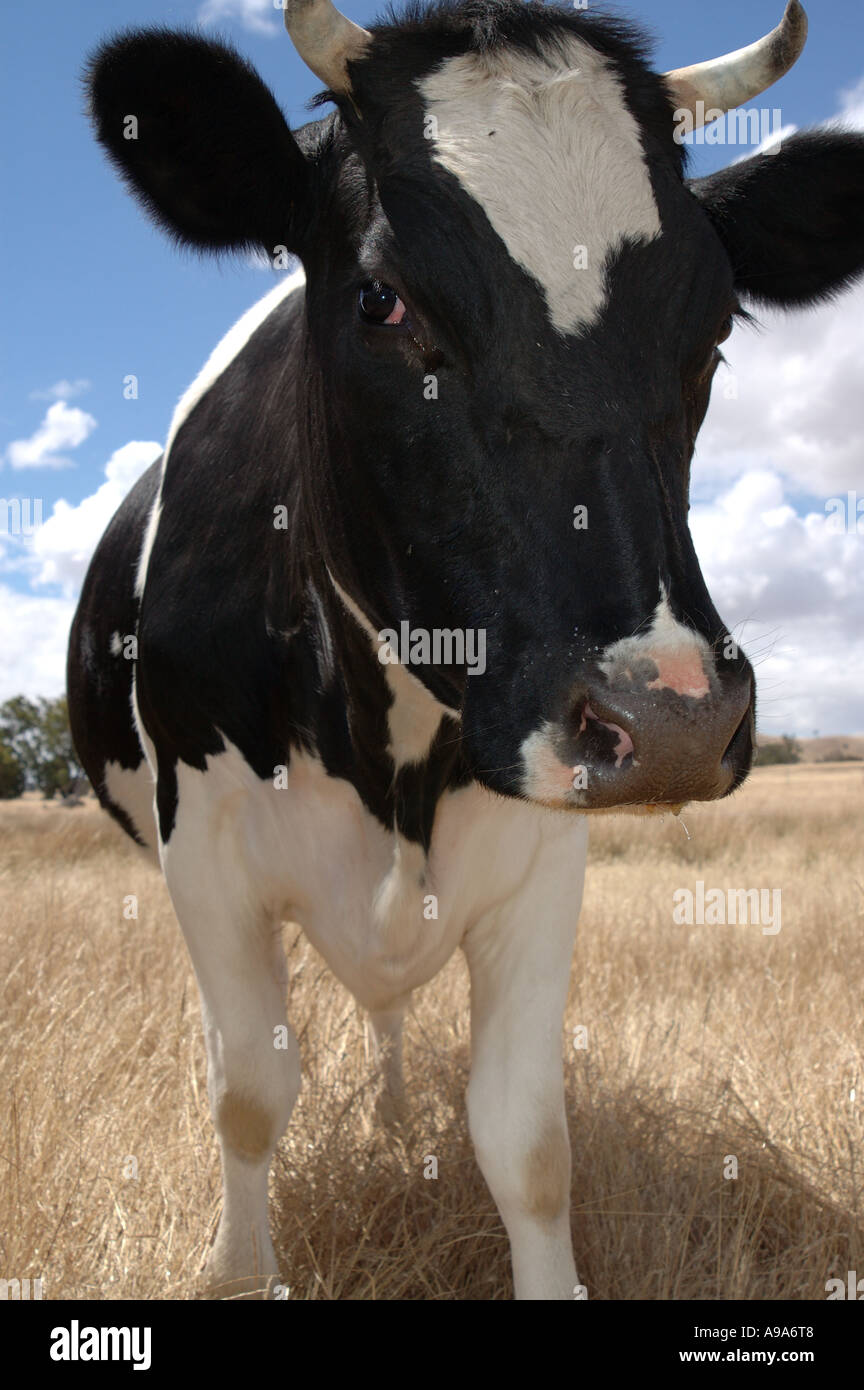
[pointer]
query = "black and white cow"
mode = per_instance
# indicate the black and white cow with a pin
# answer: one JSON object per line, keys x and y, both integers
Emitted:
{"x": 412, "y": 585}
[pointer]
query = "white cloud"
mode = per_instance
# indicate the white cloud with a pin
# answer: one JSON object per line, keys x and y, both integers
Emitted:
{"x": 849, "y": 117}
{"x": 772, "y": 141}
{"x": 797, "y": 407}
{"x": 791, "y": 588}
{"x": 62, "y": 390}
{"x": 64, "y": 543}
{"x": 786, "y": 421}
{"x": 33, "y": 636}
{"x": 64, "y": 427}
{"x": 255, "y": 15}
{"x": 851, "y": 114}
{"x": 34, "y": 630}
{"x": 790, "y": 397}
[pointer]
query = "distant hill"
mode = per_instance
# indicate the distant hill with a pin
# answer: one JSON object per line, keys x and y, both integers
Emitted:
{"x": 832, "y": 748}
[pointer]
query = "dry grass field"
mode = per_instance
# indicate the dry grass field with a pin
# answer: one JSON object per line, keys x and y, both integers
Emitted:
{"x": 828, "y": 748}
{"x": 703, "y": 1042}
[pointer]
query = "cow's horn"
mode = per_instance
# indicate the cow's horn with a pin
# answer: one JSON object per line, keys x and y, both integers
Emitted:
{"x": 709, "y": 89}
{"x": 325, "y": 39}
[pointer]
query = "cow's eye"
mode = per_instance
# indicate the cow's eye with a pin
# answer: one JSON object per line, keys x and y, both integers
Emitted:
{"x": 726, "y": 329}
{"x": 379, "y": 303}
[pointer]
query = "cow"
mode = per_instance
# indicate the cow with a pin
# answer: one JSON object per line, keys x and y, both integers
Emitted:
{"x": 411, "y": 593}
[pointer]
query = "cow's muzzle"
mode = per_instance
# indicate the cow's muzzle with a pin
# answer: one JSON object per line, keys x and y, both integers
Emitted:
{"x": 635, "y": 747}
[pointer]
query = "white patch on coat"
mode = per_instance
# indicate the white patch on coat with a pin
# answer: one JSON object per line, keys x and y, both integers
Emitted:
{"x": 415, "y": 714}
{"x": 683, "y": 658}
{"x": 220, "y": 358}
{"x": 149, "y": 537}
{"x": 545, "y": 778}
{"x": 132, "y": 789}
{"x": 138, "y": 724}
{"x": 547, "y": 147}
{"x": 311, "y": 852}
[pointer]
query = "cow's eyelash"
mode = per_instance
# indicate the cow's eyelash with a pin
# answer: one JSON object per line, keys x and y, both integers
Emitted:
{"x": 742, "y": 315}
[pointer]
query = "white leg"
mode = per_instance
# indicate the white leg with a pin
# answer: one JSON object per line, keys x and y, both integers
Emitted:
{"x": 253, "y": 1062}
{"x": 519, "y": 958}
{"x": 386, "y": 1031}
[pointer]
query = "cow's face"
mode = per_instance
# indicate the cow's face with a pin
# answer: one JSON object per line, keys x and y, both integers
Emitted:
{"x": 514, "y": 346}
{"x": 514, "y": 306}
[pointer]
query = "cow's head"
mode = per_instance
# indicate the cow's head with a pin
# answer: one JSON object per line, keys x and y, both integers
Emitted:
{"x": 514, "y": 305}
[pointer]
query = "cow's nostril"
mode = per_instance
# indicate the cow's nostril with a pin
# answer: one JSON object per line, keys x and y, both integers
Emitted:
{"x": 609, "y": 740}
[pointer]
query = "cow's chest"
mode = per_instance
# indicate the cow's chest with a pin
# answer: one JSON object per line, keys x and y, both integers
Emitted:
{"x": 384, "y": 914}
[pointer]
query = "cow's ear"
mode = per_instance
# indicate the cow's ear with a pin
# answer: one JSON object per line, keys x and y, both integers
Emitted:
{"x": 200, "y": 140}
{"x": 792, "y": 221}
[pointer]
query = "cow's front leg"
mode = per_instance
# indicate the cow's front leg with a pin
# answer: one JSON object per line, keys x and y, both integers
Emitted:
{"x": 253, "y": 1063}
{"x": 519, "y": 958}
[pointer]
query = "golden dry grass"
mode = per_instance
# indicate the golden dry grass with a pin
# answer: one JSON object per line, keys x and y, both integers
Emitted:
{"x": 703, "y": 1042}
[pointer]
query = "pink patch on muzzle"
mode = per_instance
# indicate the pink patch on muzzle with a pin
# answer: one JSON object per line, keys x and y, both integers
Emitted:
{"x": 682, "y": 672}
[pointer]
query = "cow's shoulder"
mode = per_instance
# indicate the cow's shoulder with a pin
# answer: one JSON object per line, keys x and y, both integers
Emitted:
{"x": 274, "y": 317}
{"x": 223, "y": 632}
{"x": 224, "y": 516}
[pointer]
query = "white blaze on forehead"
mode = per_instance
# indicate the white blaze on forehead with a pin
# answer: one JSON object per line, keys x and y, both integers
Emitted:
{"x": 550, "y": 151}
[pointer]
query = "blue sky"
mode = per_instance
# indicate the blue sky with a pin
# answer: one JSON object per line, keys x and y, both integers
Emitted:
{"x": 91, "y": 293}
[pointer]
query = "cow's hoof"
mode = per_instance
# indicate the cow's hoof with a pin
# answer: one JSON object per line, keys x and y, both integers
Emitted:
{"x": 245, "y": 1288}
{"x": 222, "y": 1276}
{"x": 241, "y": 1287}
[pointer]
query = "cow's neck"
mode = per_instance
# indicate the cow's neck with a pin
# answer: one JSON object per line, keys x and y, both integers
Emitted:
{"x": 404, "y": 744}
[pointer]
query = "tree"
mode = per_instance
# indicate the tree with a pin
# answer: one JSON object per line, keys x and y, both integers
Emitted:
{"x": 788, "y": 750}
{"x": 37, "y": 735}
{"x": 12, "y": 778}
